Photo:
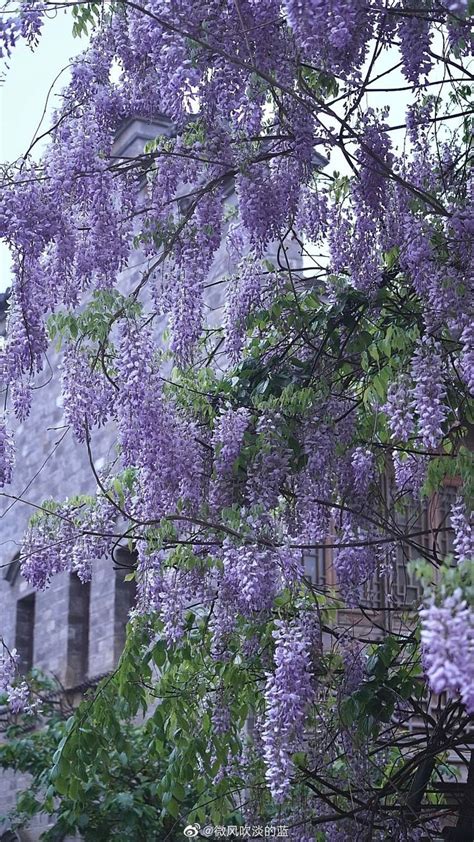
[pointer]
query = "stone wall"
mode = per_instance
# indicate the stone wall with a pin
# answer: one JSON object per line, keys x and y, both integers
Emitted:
{"x": 75, "y": 632}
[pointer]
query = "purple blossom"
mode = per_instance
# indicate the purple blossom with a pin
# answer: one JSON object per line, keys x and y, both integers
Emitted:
{"x": 87, "y": 395}
{"x": 221, "y": 715}
{"x": 463, "y": 541}
{"x": 314, "y": 480}
{"x": 336, "y": 32}
{"x": 365, "y": 264}
{"x": 313, "y": 214}
{"x": 467, "y": 356}
{"x": 429, "y": 391}
{"x": 8, "y": 666}
{"x": 149, "y": 579}
{"x": 354, "y": 563}
{"x": 266, "y": 474}
{"x": 417, "y": 257}
{"x": 26, "y": 340}
{"x": 227, "y": 439}
{"x": 415, "y": 40}
{"x": 193, "y": 261}
{"x": 154, "y": 438}
{"x": 67, "y": 538}
{"x": 354, "y": 664}
{"x": 244, "y": 294}
{"x": 17, "y": 692}
{"x": 456, "y": 6}
{"x": 251, "y": 578}
{"x": 172, "y": 607}
{"x": 417, "y": 118}
{"x": 340, "y": 233}
{"x": 26, "y": 24}
{"x": 268, "y": 196}
{"x": 397, "y": 410}
{"x": 410, "y": 472}
{"x": 7, "y": 454}
{"x": 447, "y": 637}
{"x": 288, "y": 693}
{"x": 21, "y": 399}
{"x": 222, "y": 626}
{"x": 19, "y": 698}
{"x": 363, "y": 467}
{"x": 375, "y": 160}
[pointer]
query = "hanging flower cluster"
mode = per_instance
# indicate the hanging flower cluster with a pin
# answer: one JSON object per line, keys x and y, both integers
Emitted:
{"x": 447, "y": 636}
{"x": 288, "y": 692}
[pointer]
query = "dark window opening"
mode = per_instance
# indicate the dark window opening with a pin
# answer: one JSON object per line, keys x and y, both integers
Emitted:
{"x": 315, "y": 566}
{"x": 13, "y": 570}
{"x": 24, "y": 633}
{"x": 78, "y": 631}
{"x": 125, "y": 593}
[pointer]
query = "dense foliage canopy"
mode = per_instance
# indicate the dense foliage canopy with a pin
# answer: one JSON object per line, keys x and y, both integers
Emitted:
{"x": 309, "y": 411}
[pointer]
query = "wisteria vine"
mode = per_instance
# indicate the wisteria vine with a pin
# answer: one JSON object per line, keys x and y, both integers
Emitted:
{"x": 288, "y": 373}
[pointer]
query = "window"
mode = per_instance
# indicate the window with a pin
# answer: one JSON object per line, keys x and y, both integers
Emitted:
{"x": 125, "y": 593}
{"x": 426, "y": 522}
{"x": 315, "y": 565}
{"x": 78, "y": 631}
{"x": 24, "y": 633}
{"x": 446, "y": 500}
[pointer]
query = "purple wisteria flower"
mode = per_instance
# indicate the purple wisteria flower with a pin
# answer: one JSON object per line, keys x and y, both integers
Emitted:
{"x": 463, "y": 541}
{"x": 288, "y": 693}
{"x": 244, "y": 294}
{"x": 21, "y": 399}
{"x": 409, "y": 472}
{"x": 227, "y": 438}
{"x": 447, "y": 638}
{"x": 17, "y": 693}
{"x": 467, "y": 356}
{"x": 429, "y": 391}
{"x": 397, "y": 410}
{"x": 355, "y": 561}
{"x": 415, "y": 39}
{"x": 363, "y": 467}
{"x": 7, "y": 454}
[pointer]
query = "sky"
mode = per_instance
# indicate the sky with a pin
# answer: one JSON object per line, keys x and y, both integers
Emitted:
{"x": 24, "y": 92}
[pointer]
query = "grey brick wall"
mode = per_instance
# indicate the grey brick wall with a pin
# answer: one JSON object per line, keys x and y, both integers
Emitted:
{"x": 78, "y": 632}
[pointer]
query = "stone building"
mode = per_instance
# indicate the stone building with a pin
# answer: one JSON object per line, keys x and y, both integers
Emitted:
{"x": 71, "y": 630}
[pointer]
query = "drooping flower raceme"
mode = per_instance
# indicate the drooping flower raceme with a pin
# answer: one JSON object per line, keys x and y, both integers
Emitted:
{"x": 409, "y": 473}
{"x": 17, "y": 692}
{"x": 363, "y": 469}
{"x": 7, "y": 454}
{"x": 244, "y": 294}
{"x": 355, "y": 561}
{"x": 227, "y": 439}
{"x": 447, "y": 637}
{"x": 467, "y": 356}
{"x": 288, "y": 693}
{"x": 397, "y": 409}
{"x": 463, "y": 541}
{"x": 429, "y": 392}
